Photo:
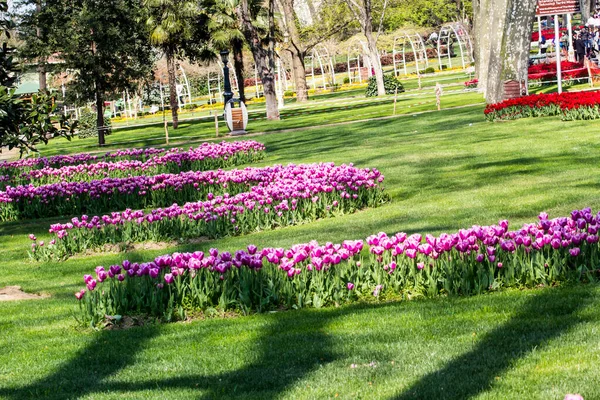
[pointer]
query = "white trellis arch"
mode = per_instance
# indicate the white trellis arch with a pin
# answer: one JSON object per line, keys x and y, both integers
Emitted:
{"x": 449, "y": 33}
{"x": 213, "y": 82}
{"x": 183, "y": 88}
{"x": 417, "y": 48}
{"x": 321, "y": 55}
{"x": 356, "y": 54}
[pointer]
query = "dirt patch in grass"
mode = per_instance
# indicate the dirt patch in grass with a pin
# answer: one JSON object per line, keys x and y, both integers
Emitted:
{"x": 121, "y": 247}
{"x": 14, "y": 293}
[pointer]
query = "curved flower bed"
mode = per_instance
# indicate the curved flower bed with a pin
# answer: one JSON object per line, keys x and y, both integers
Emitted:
{"x": 109, "y": 194}
{"x": 470, "y": 261}
{"x": 293, "y": 195}
{"x": 549, "y": 33}
{"x": 204, "y": 157}
{"x": 569, "y": 105}
{"x": 547, "y": 71}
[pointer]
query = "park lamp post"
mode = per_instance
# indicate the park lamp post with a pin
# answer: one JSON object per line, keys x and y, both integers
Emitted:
{"x": 227, "y": 94}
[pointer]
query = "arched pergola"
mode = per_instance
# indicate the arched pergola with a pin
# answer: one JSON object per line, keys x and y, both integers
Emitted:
{"x": 450, "y": 33}
{"x": 356, "y": 55}
{"x": 320, "y": 57}
{"x": 213, "y": 82}
{"x": 183, "y": 87}
{"x": 417, "y": 48}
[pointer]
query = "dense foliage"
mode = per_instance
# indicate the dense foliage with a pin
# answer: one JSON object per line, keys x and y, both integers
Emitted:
{"x": 390, "y": 82}
{"x": 86, "y": 124}
{"x": 24, "y": 123}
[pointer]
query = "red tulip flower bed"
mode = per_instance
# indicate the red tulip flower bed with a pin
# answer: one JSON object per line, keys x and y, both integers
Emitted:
{"x": 570, "y": 70}
{"x": 549, "y": 33}
{"x": 570, "y": 106}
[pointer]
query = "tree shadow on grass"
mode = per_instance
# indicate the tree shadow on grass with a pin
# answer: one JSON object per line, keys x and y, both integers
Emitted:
{"x": 293, "y": 345}
{"x": 290, "y": 347}
{"x": 544, "y": 317}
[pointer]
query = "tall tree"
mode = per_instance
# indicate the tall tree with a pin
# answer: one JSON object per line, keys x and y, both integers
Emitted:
{"x": 331, "y": 19}
{"x": 106, "y": 44}
{"x": 171, "y": 24}
{"x": 23, "y": 124}
{"x": 36, "y": 40}
{"x": 363, "y": 11}
{"x": 263, "y": 49}
{"x": 225, "y": 32}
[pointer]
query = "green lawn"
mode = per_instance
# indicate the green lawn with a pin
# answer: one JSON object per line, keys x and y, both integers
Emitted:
{"x": 357, "y": 109}
{"x": 444, "y": 170}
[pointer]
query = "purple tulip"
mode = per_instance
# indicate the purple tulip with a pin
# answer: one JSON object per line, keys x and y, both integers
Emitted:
{"x": 169, "y": 278}
{"x": 91, "y": 284}
{"x": 350, "y": 286}
{"x": 574, "y": 251}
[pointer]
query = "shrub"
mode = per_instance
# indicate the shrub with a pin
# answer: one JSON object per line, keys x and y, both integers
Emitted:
{"x": 86, "y": 124}
{"x": 389, "y": 81}
{"x": 428, "y": 70}
{"x": 346, "y": 80}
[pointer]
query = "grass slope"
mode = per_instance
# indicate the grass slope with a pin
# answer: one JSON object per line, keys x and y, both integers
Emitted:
{"x": 444, "y": 171}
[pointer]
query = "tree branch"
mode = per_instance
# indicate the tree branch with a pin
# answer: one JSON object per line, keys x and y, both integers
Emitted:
{"x": 381, "y": 20}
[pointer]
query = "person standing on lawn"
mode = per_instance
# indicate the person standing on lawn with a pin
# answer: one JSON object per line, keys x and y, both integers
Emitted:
{"x": 580, "y": 48}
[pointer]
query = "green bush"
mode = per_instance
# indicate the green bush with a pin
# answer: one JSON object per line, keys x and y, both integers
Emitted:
{"x": 389, "y": 81}
{"x": 86, "y": 124}
{"x": 346, "y": 80}
{"x": 289, "y": 93}
{"x": 428, "y": 70}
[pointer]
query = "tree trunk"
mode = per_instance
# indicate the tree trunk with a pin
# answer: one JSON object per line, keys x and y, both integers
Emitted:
{"x": 296, "y": 50}
{"x": 587, "y": 9}
{"x": 264, "y": 59}
{"x": 100, "y": 115}
{"x": 376, "y": 63}
{"x": 364, "y": 16}
{"x": 238, "y": 66}
{"x": 173, "y": 101}
{"x": 502, "y": 31}
{"x": 42, "y": 74}
{"x": 299, "y": 74}
{"x": 41, "y": 60}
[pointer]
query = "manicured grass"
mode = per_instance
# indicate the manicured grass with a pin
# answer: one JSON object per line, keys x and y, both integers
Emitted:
{"x": 444, "y": 170}
{"x": 293, "y": 118}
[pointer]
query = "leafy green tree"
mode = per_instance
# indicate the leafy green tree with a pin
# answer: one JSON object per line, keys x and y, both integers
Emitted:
{"x": 332, "y": 17}
{"x": 104, "y": 45}
{"x": 426, "y": 13}
{"x": 23, "y": 123}
{"x": 171, "y": 24}
{"x": 225, "y": 33}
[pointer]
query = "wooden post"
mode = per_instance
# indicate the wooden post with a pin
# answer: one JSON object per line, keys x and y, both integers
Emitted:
{"x": 395, "y": 100}
{"x": 166, "y": 131}
{"x": 438, "y": 96}
{"x": 217, "y": 124}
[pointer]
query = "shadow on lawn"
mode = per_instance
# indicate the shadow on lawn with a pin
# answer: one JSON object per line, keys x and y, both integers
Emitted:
{"x": 293, "y": 346}
{"x": 288, "y": 349}
{"x": 543, "y": 318}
